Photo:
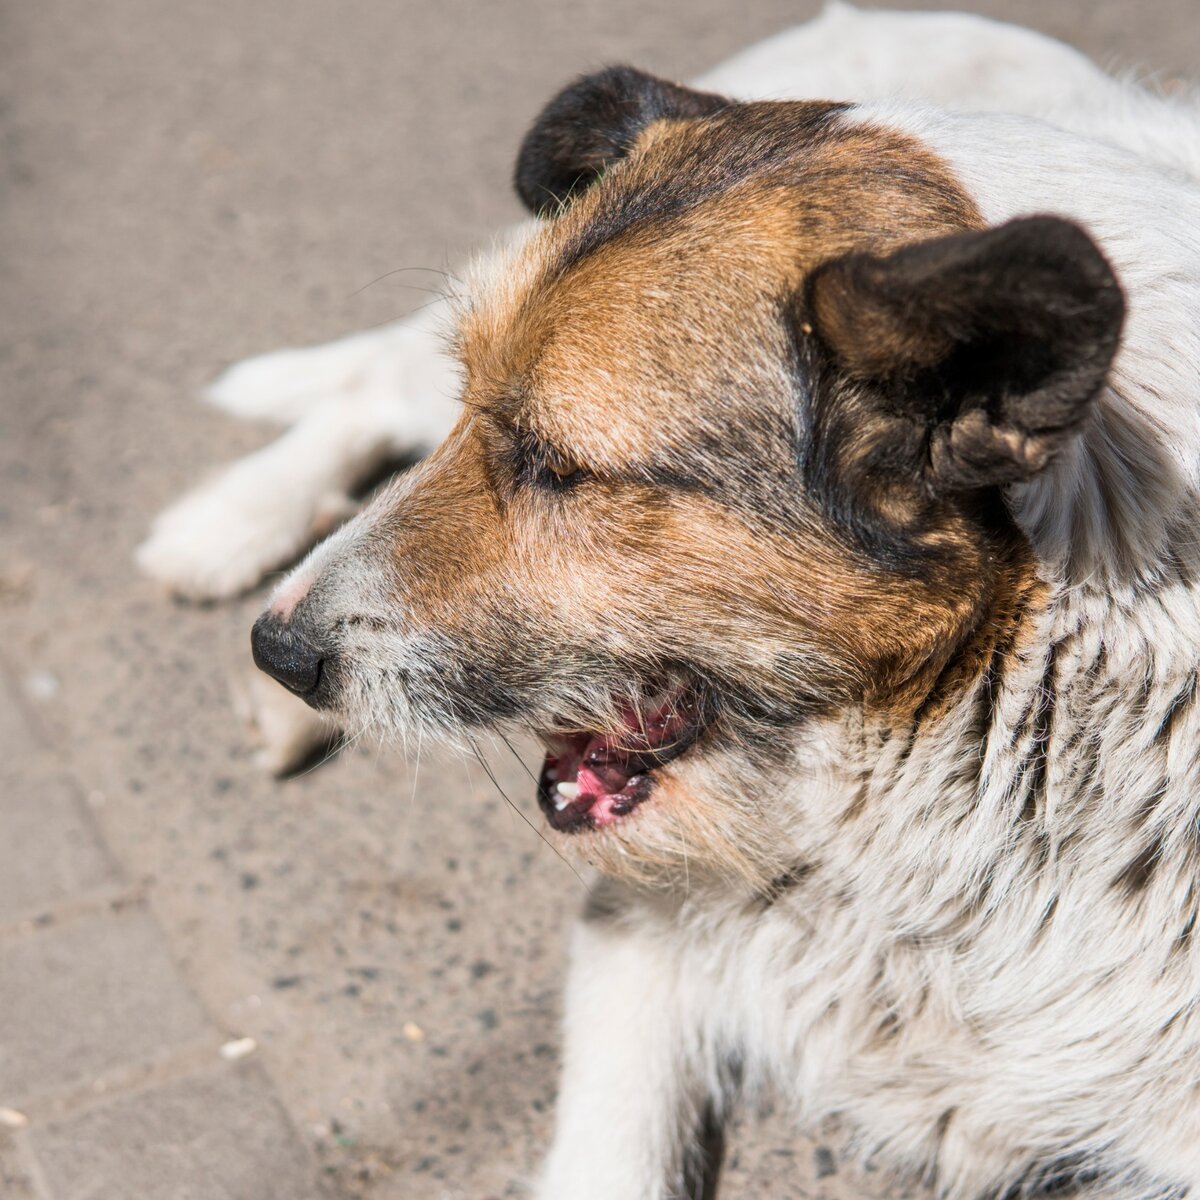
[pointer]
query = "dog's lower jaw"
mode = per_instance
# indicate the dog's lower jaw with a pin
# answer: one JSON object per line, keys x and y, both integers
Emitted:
{"x": 691, "y": 835}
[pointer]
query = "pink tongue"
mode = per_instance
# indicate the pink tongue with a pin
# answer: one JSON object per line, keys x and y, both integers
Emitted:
{"x": 602, "y": 781}
{"x": 590, "y": 784}
{"x": 601, "y": 778}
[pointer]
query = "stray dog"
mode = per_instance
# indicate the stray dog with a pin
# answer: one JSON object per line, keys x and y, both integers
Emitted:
{"x": 825, "y": 495}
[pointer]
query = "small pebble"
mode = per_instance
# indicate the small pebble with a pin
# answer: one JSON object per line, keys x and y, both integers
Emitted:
{"x": 41, "y": 685}
{"x": 238, "y": 1048}
{"x": 10, "y": 1118}
{"x": 15, "y": 580}
{"x": 414, "y": 1033}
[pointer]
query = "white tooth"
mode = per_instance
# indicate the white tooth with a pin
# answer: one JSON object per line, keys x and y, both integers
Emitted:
{"x": 567, "y": 792}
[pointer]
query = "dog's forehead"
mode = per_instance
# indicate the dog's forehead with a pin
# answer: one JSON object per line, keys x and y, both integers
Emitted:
{"x": 655, "y": 331}
{"x": 662, "y": 291}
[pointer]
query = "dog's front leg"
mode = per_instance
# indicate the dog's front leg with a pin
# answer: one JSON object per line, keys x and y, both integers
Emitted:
{"x": 351, "y": 406}
{"x": 395, "y": 395}
{"x": 636, "y": 1118}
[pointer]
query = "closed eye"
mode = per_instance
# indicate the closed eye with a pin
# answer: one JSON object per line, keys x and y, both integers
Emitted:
{"x": 545, "y": 466}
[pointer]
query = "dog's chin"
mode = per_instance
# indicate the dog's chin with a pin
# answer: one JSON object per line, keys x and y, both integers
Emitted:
{"x": 594, "y": 780}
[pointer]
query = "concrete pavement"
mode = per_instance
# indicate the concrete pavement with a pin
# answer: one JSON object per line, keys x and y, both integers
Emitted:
{"x": 377, "y": 946}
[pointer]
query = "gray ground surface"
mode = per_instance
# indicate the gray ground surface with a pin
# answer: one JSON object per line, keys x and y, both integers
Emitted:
{"x": 184, "y": 184}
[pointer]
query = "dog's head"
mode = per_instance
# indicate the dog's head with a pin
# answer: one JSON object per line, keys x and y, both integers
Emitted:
{"x": 736, "y": 422}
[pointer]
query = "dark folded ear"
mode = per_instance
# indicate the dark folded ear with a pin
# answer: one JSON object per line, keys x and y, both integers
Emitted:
{"x": 967, "y": 361}
{"x": 592, "y": 123}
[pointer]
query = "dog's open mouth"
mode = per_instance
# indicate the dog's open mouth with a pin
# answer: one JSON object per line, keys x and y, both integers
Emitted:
{"x": 590, "y": 780}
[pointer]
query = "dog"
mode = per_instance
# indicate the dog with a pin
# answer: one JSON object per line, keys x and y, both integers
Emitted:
{"x": 824, "y": 494}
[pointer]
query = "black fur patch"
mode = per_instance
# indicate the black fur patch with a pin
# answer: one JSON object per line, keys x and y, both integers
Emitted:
{"x": 1137, "y": 875}
{"x": 1033, "y": 770}
{"x": 592, "y": 123}
{"x": 953, "y": 366}
{"x": 782, "y": 884}
{"x": 1183, "y": 940}
{"x": 702, "y": 1168}
{"x": 1176, "y": 709}
{"x": 1068, "y": 1176}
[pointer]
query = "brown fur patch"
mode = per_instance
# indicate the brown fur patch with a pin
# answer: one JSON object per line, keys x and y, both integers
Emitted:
{"x": 1013, "y": 592}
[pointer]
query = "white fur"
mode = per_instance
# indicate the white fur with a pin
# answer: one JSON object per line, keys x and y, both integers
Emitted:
{"x": 628, "y": 1067}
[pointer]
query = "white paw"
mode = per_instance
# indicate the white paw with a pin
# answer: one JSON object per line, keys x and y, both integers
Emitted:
{"x": 352, "y": 405}
{"x": 284, "y": 730}
{"x": 221, "y": 539}
{"x": 286, "y": 385}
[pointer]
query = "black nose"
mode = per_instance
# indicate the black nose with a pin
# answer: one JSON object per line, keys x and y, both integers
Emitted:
{"x": 285, "y": 655}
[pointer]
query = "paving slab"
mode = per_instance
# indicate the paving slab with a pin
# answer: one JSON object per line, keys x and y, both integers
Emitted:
{"x": 18, "y": 739}
{"x": 99, "y": 995}
{"x": 51, "y": 851}
{"x": 219, "y": 1136}
{"x": 16, "y": 1178}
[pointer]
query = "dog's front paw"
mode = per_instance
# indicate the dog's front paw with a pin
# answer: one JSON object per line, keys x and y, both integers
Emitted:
{"x": 222, "y": 538}
{"x": 352, "y": 405}
{"x": 286, "y": 385}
